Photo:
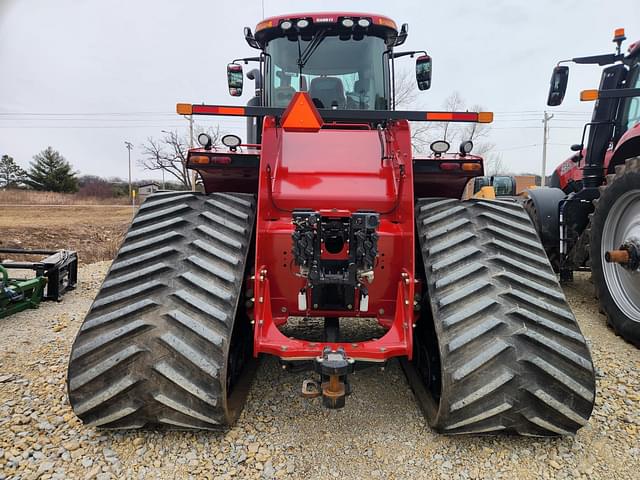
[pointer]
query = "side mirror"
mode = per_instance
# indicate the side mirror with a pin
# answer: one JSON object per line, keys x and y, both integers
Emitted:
{"x": 235, "y": 79}
{"x": 558, "y": 85}
{"x": 423, "y": 72}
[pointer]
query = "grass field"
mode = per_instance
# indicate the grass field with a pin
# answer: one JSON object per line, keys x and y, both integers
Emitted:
{"x": 94, "y": 231}
{"x": 31, "y": 197}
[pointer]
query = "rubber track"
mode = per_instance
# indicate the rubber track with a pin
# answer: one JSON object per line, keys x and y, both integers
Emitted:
{"x": 152, "y": 350}
{"x": 513, "y": 357}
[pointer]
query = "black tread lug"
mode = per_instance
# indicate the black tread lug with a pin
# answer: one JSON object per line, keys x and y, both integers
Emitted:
{"x": 149, "y": 353}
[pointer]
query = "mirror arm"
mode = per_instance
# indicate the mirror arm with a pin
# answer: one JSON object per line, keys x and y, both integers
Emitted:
{"x": 412, "y": 53}
{"x": 600, "y": 60}
{"x": 246, "y": 60}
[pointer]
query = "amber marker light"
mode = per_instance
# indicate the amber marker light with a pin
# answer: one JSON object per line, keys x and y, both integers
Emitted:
{"x": 199, "y": 159}
{"x": 485, "y": 117}
{"x": 264, "y": 25}
{"x": 588, "y": 95}
{"x": 184, "y": 108}
{"x": 471, "y": 167}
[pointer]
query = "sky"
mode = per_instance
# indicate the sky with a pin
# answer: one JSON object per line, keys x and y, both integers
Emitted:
{"x": 84, "y": 76}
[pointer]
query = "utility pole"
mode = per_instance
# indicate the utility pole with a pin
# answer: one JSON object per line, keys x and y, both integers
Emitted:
{"x": 129, "y": 147}
{"x": 193, "y": 172}
{"x": 545, "y": 123}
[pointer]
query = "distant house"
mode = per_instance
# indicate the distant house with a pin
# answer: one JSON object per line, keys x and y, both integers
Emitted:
{"x": 147, "y": 189}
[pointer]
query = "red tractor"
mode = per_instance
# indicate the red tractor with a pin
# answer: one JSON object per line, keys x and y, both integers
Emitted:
{"x": 589, "y": 218}
{"x": 324, "y": 213}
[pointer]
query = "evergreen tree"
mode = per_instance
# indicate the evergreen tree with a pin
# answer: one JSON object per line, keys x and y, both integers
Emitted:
{"x": 11, "y": 175}
{"x": 51, "y": 172}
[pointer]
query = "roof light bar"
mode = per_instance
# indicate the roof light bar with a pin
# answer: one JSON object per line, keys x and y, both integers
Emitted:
{"x": 339, "y": 115}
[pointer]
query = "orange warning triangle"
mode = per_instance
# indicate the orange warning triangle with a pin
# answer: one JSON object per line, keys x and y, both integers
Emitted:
{"x": 301, "y": 115}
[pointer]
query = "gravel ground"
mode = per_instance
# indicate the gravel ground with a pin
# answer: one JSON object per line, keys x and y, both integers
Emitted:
{"x": 379, "y": 434}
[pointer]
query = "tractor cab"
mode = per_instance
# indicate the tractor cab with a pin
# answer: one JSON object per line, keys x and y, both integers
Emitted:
{"x": 615, "y": 114}
{"x": 343, "y": 61}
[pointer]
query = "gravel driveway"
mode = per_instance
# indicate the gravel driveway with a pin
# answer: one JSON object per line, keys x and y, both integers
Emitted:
{"x": 379, "y": 434}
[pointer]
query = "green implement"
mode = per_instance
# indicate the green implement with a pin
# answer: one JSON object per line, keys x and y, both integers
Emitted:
{"x": 17, "y": 295}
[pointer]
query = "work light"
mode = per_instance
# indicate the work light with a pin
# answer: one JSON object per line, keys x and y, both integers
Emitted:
{"x": 347, "y": 23}
{"x": 231, "y": 141}
{"x": 205, "y": 140}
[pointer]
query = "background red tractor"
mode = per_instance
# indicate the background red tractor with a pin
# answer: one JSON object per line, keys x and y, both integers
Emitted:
{"x": 325, "y": 212}
{"x": 589, "y": 218}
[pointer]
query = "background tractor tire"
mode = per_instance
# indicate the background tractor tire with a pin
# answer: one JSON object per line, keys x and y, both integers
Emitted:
{"x": 615, "y": 218}
{"x": 497, "y": 348}
{"x": 161, "y": 344}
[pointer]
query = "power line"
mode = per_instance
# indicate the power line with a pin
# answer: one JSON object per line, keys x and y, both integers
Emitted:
{"x": 87, "y": 113}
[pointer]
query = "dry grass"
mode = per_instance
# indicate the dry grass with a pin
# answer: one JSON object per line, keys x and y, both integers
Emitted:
{"x": 31, "y": 197}
{"x": 94, "y": 231}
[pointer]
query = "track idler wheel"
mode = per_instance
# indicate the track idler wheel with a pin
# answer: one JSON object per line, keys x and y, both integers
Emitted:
{"x": 333, "y": 367}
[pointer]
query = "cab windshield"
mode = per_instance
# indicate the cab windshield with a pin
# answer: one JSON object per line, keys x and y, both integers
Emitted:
{"x": 631, "y": 115}
{"x": 339, "y": 73}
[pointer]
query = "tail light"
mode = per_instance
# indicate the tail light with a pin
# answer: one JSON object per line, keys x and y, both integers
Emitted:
{"x": 449, "y": 166}
{"x": 471, "y": 167}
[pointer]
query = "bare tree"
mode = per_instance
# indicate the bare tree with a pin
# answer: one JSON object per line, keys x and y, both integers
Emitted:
{"x": 406, "y": 90}
{"x": 493, "y": 165}
{"x": 425, "y": 133}
{"x": 169, "y": 154}
{"x": 450, "y": 131}
{"x": 421, "y": 136}
{"x": 406, "y": 98}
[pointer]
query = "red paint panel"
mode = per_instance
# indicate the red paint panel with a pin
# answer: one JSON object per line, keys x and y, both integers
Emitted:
{"x": 339, "y": 170}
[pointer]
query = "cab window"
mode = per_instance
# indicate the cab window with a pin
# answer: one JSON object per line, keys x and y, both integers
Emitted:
{"x": 632, "y": 108}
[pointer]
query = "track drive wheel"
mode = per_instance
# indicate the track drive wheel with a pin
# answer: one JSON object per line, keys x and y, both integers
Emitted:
{"x": 497, "y": 349}
{"x": 614, "y": 224}
{"x": 166, "y": 342}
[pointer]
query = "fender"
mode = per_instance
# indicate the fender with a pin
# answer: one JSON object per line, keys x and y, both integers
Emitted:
{"x": 627, "y": 147}
{"x": 546, "y": 201}
{"x": 568, "y": 174}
